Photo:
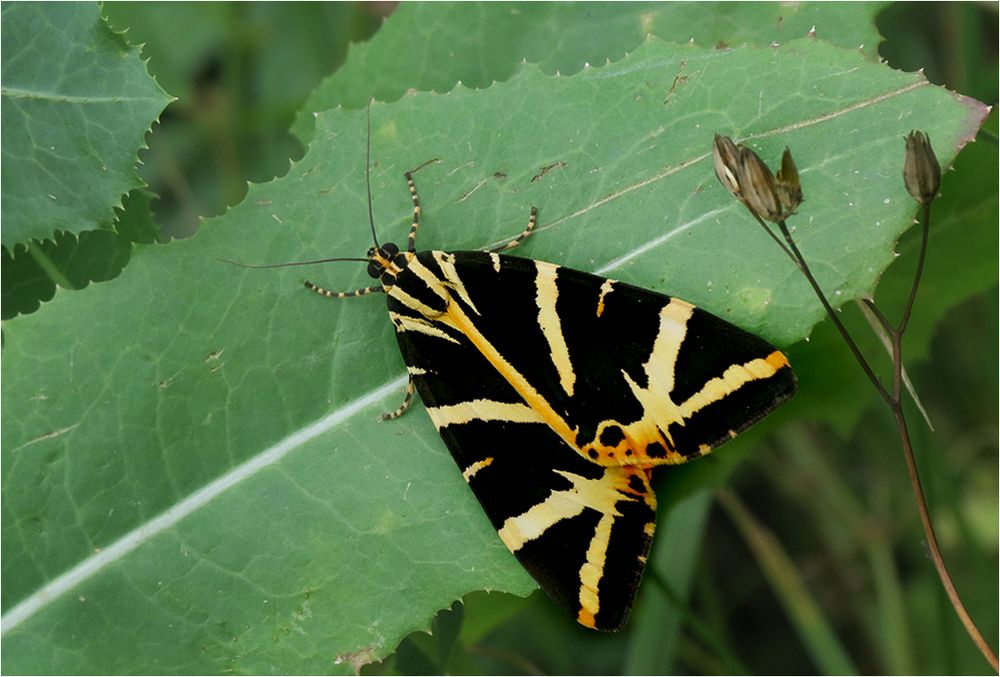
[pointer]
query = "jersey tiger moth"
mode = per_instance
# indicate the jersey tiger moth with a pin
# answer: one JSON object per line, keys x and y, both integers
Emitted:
{"x": 557, "y": 392}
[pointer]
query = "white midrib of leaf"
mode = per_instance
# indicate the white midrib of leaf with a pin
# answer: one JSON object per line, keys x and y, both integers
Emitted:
{"x": 95, "y": 564}
{"x": 56, "y": 97}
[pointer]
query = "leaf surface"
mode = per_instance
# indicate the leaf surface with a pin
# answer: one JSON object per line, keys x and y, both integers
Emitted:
{"x": 195, "y": 444}
{"x": 31, "y": 271}
{"x": 486, "y": 42}
{"x": 77, "y": 103}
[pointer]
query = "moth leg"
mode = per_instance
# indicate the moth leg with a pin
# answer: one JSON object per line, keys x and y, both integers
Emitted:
{"x": 403, "y": 407}
{"x": 411, "y": 241}
{"x": 342, "y": 294}
{"x": 524, "y": 234}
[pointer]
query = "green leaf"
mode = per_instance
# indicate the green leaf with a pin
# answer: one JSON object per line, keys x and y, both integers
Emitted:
{"x": 283, "y": 50}
{"x": 241, "y": 71}
{"x": 30, "y": 272}
{"x": 191, "y": 462}
{"x": 77, "y": 103}
{"x": 486, "y": 42}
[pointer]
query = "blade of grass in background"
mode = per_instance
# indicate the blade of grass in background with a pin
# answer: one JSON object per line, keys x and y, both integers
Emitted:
{"x": 828, "y": 653}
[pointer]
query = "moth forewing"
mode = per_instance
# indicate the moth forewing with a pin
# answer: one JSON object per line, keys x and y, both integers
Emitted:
{"x": 557, "y": 391}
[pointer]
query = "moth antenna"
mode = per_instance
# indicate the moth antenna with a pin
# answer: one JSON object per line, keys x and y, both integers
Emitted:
{"x": 287, "y": 265}
{"x": 368, "y": 174}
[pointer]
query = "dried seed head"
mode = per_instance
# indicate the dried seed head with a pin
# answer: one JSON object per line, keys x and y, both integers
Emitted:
{"x": 744, "y": 174}
{"x": 921, "y": 171}
{"x": 725, "y": 156}
{"x": 760, "y": 192}
{"x": 789, "y": 188}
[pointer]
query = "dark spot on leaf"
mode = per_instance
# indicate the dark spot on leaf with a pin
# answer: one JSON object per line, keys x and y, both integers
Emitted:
{"x": 546, "y": 169}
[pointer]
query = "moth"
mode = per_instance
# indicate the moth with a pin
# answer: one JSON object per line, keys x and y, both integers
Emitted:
{"x": 558, "y": 392}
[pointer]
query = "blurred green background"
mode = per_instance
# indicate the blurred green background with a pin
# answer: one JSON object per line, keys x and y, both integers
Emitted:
{"x": 812, "y": 559}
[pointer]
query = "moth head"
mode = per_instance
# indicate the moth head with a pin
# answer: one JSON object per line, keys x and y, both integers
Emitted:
{"x": 383, "y": 259}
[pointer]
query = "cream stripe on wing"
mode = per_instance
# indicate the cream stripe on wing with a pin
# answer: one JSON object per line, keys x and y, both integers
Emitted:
{"x": 593, "y": 570}
{"x": 663, "y": 359}
{"x": 424, "y": 274}
{"x": 483, "y": 410}
{"x": 447, "y": 263}
{"x": 601, "y": 495}
{"x": 412, "y": 303}
{"x": 532, "y": 397}
{"x": 407, "y": 323}
{"x": 560, "y": 505}
{"x": 606, "y": 289}
{"x": 658, "y": 408}
{"x": 733, "y": 379}
{"x": 471, "y": 471}
{"x": 548, "y": 319}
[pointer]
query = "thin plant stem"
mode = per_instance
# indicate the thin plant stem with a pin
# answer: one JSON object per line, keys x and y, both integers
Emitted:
{"x": 870, "y": 304}
{"x": 804, "y": 267}
{"x": 926, "y": 219}
{"x": 775, "y": 197}
{"x": 932, "y": 543}
{"x": 883, "y": 331}
{"x": 776, "y": 239}
{"x": 911, "y": 463}
{"x": 894, "y": 400}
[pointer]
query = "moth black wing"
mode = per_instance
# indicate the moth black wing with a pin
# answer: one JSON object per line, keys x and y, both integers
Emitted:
{"x": 581, "y": 530}
{"x": 557, "y": 391}
{"x": 639, "y": 377}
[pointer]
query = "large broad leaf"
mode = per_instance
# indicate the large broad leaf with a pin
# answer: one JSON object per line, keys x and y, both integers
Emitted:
{"x": 486, "y": 42}
{"x": 31, "y": 271}
{"x": 191, "y": 462}
{"x": 77, "y": 102}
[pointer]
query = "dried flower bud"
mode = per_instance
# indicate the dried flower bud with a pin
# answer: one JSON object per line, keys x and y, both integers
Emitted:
{"x": 760, "y": 192}
{"x": 789, "y": 188}
{"x": 726, "y": 157}
{"x": 744, "y": 174}
{"x": 921, "y": 171}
